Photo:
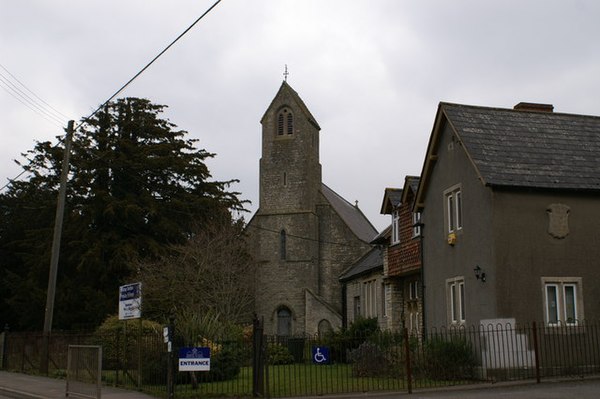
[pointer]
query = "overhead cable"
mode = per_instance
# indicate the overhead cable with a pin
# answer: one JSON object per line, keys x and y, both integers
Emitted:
{"x": 148, "y": 65}
{"x": 130, "y": 80}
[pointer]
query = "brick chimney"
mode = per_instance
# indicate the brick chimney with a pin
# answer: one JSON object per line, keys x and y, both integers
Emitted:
{"x": 534, "y": 107}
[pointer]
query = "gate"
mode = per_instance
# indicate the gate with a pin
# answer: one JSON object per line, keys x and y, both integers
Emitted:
{"x": 84, "y": 371}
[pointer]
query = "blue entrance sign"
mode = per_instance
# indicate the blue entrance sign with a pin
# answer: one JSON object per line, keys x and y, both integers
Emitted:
{"x": 194, "y": 359}
{"x": 320, "y": 354}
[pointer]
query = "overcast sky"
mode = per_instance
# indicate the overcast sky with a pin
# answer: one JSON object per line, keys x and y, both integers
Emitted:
{"x": 372, "y": 73}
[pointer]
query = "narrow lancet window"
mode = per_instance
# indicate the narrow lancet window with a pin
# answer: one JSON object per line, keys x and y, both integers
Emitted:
{"x": 280, "y": 125}
{"x": 282, "y": 245}
{"x": 285, "y": 122}
{"x": 290, "y": 123}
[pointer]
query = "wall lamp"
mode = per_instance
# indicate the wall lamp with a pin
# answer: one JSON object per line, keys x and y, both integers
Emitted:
{"x": 479, "y": 274}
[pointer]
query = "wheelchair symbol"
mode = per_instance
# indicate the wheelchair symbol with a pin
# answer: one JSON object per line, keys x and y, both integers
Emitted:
{"x": 319, "y": 357}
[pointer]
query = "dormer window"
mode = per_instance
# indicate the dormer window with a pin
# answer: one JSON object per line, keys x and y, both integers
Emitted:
{"x": 285, "y": 122}
{"x": 416, "y": 224}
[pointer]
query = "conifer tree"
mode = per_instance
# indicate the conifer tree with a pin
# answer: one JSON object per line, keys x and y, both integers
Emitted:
{"x": 137, "y": 187}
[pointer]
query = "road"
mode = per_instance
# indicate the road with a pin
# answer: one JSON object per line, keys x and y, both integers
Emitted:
{"x": 580, "y": 389}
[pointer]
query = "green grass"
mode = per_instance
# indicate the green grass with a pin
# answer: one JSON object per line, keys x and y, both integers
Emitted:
{"x": 296, "y": 380}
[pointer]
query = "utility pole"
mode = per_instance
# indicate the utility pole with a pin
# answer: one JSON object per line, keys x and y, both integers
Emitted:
{"x": 58, "y": 221}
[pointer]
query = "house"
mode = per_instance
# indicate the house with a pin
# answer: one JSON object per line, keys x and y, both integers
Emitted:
{"x": 364, "y": 289}
{"x": 303, "y": 234}
{"x": 401, "y": 244}
{"x": 510, "y": 202}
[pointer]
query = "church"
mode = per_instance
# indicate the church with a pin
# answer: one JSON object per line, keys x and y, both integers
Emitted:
{"x": 304, "y": 234}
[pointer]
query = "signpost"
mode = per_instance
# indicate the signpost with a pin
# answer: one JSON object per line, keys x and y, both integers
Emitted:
{"x": 194, "y": 359}
{"x": 130, "y": 301}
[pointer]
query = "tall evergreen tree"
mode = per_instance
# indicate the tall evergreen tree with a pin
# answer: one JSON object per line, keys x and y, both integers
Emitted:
{"x": 137, "y": 186}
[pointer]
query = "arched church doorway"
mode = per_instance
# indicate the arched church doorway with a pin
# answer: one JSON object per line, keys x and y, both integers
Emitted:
{"x": 284, "y": 322}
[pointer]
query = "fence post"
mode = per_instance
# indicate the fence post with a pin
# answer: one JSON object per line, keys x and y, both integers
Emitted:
{"x": 408, "y": 366}
{"x": 536, "y": 351}
{"x": 171, "y": 360}
{"x": 4, "y": 347}
{"x": 258, "y": 387}
{"x": 139, "y": 354}
{"x": 118, "y": 357}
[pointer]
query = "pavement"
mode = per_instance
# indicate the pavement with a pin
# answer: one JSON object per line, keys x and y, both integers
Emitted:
{"x": 23, "y": 386}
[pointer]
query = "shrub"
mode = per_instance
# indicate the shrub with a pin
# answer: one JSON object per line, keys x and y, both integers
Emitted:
{"x": 279, "y": 354}
{"x": 226, "y": 363}
{"x": 382, "y": 354}
{"x": 363, "y": 328}
{"x": 121, "y": 342}
{"x": 368, "y": 361}
{"x": 449, "y": 358}
{"x": 342, "y": 342}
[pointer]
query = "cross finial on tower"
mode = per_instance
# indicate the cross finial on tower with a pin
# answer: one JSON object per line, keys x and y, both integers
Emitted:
{"x": 285, "y": 73}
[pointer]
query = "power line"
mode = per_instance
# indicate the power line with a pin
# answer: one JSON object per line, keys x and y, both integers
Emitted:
{"x": 129, "y": 81}
{"x": 150, "y": 63}
{"x": 27, "y": 101}
{"x": 343, "y": 244}
{"x": 10, "y": 181}
{"x": 56, "y": 112}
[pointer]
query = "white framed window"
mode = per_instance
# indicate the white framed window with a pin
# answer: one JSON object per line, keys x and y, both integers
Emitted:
{"x": 416, "y": 227}
{"x": 370, "y": 298}
{"x": 453, "y": 212}
{"x": 563, "y": 300}
{"x": 395, "y": 226}
{"x": 455, "y": 297}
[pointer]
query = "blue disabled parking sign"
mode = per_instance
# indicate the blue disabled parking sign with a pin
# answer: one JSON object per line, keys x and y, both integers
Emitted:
{"x": 320, "y": 354}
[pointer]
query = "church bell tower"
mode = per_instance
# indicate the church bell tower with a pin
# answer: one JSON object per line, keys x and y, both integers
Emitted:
{"x": 290, "y": 173}
{"x": 303, "y": 234}
{"x": 287, "y": 221}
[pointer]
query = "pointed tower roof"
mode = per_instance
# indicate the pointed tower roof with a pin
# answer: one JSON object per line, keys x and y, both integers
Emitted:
{"x": 286, "y": 91}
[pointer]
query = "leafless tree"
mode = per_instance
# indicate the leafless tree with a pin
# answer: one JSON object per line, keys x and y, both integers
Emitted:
{"x": 210, "y": 276}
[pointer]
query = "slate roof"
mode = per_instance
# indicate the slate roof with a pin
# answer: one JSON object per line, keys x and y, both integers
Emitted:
{"x": 383, "y": 237}
{"x": 413, "y": 182}
{"x": 368, "y": 263}
{"x": 392, "y": 197}
{"x": 520, "y": 148}
{"x": 411, "y": 185}
{"x": 285, "y": 87}
{"x": 350, "y": 214}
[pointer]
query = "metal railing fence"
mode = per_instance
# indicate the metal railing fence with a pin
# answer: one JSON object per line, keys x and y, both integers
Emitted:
{"x": 275, "y": 366}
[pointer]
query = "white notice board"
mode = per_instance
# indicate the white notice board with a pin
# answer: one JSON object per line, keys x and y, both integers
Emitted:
{"x": 130, "y": 301}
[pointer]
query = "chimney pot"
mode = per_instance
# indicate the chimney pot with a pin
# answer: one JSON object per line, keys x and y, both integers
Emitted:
{"x": 523, "y": 106}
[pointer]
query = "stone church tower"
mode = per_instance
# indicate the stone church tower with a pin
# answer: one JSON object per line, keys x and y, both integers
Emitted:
{"x": 303, "y": 234}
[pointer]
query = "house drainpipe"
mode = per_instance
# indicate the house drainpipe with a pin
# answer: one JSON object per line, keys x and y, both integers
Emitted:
{"x": 344, "y": 304}
{"x": 424, "y": 330}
